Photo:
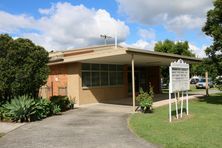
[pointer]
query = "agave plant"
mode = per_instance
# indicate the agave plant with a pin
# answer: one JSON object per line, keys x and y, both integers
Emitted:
{"x": 20, "y": 108}
{"x": 44, "y": 108}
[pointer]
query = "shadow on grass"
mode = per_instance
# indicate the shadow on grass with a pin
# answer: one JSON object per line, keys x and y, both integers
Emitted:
{"x": 215, "y": 99}
{"x": 173, "y": 112}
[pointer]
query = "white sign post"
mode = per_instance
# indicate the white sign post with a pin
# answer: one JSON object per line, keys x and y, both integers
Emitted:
{"x": 179, "y": 83}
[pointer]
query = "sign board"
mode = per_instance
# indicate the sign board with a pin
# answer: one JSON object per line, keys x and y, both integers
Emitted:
{"x": 179, "y": 84}
{"x": 179, "y": 76}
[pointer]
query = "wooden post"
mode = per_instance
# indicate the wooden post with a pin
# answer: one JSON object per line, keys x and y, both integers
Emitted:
{"x": 52, "y": 88}
{"x": 181, "y": 106}
{"x": 170, "y": 117}
{"x": 176, "y": 104}
{"x": 187, "y": 107}
{"x": 206, "y": 77}
{"x": 170, "y": 97}
{"x": 133, "y": 83}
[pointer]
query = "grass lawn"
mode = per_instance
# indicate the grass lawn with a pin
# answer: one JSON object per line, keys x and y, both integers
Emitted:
{"x": 202, "y": 128}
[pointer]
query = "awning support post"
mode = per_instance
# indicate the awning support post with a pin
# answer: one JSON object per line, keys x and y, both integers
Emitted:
{"x": 133, "y": 82}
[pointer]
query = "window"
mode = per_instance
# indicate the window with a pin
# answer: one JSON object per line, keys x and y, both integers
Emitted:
{"x": 95, "y": 79}
{"x": 119, "y": 78}
{"x": 112, "y": 80}
{"x": 104, "y": 78}
{"x": 94, "y": 75}
{"x": 86, "y": 81}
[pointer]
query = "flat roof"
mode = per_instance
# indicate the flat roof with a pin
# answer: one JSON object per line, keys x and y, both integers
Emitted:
{"x": 116, "y": 55}
{"x": 143, "y": 51}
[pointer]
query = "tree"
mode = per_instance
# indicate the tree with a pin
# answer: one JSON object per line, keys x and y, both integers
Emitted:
{"x": 168, "y": 46}
{"x": 200, "y": 69}
{"x": 23, "y": 67}
{"x": 213, "y": 28}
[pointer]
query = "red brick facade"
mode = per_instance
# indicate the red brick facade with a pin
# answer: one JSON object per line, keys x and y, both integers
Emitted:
{"x": 57, "y": 80}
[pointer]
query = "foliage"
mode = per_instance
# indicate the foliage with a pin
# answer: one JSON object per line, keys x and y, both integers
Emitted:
{"x": 25, "y": 108}
{"x": 180, "y": 48}
{"x": 167, "y": 46}
{"x": 43, "y": 109}
{"x": 202, "y": 128}
{"x": 55, "y": 109}
{"x": 1, "y": 113}
{"x": 218, "y": 81}
{"x": 213, "y": 28}
{"x": 200, "y": 69}
{"x": 63, "y": 102}
{"x": 19, "y": 109}
{"x": 145, "y": 99}
{"x": 23, "y": 67}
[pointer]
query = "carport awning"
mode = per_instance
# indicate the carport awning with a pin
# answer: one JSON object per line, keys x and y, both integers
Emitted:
{"x": 120, "y": 55}
{"x": 141, "y": 58}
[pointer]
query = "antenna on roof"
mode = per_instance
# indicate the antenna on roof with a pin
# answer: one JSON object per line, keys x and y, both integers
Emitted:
{"x": 105, "y": 37}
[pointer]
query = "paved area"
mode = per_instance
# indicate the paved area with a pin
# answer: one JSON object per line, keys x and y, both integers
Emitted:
{"x": 95, "y": 126}
{"x": 6, "y": 127}
{"x": 203, "y": 92}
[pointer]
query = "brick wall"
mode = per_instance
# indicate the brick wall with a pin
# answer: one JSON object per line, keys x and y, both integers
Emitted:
{"x": 57, "y": 80}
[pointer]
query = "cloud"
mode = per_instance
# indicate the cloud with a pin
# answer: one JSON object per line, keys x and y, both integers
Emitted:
{"x": 10, "y": 23}
{"x": 183, "y": 23}
{"x": 149, "y": 45}
{"x": 147, "y": 34}
{"x": 141, "y": 44}
{"x": 199, "y": 51}
{"x": 64, "y": 25}
{"x": 171, "y": 14}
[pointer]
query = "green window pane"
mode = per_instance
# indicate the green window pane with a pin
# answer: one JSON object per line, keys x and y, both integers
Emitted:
{"x": 86, "y": 79}
{"x": 112, "y": 78}
{"x": 112, "y": 67}
{"x": 119, "y": 78}
{"x": 85, "y": 66}
{"x": 104, "y": 67}
{"x": 95, "y": 79}
{"x": 104, "y": 79}
{"x": 119, "y": 67}
{"x": 95, "y": 67}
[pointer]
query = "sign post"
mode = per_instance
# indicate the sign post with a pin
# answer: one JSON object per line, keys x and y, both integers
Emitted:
{"x": 179, "y": 83}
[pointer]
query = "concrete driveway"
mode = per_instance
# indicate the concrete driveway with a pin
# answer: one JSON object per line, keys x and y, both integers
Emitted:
{"x": 95, "y": 126}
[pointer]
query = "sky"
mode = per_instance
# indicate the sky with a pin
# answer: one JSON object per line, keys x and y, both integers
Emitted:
{"x": 62, "y": 25}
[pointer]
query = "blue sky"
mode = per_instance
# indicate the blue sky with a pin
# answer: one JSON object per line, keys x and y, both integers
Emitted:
{"x": 59, "y": 25}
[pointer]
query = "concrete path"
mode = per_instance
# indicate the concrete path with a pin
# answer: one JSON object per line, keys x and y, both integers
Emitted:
{"x": 6, "y": 127}
{"x": 95, "y": 126}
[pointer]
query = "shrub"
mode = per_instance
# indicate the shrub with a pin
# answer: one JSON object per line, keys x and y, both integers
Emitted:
{"x": 55, "y": 109}
{"x": 145, "y": 100}
{"x": 219, "y": 82}
{"x": 19, "y": 109}
{"x": 25, "y": 109}
{"x": 63, "y": 102}
{"x": 42, "y": 109}
{"x": 1, "y": 113}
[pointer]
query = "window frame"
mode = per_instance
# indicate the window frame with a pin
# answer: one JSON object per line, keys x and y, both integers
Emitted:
{"x": 101, "y": 71}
